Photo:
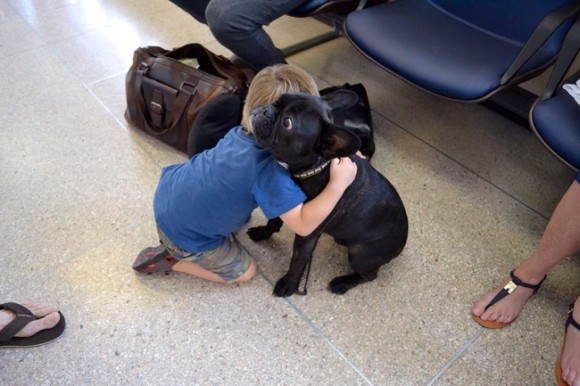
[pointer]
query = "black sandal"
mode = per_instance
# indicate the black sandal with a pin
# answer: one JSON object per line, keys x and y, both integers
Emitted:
{"x": 570, "y": 321}
{"x": 508, "y": 289}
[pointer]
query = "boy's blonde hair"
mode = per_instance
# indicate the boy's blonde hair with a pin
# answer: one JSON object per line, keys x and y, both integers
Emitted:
{"x": 271, "y": 82}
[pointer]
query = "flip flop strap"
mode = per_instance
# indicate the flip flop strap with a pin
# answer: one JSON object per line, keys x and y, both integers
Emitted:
{"x": 511, "y": 286}
{"x": 23, "y": 317}
{"x": 571, "y": 320}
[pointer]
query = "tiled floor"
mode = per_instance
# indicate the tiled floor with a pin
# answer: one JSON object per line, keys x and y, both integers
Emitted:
{"x": 76, "y": 190}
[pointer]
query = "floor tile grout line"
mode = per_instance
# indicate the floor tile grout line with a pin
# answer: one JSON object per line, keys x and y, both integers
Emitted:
{"x": 319, "y": 332}
{"x": 104, "y": 106}
{"x": 462, "y": 165}
{"x": 455, "y": 357}
{"x": 111, "y": 76}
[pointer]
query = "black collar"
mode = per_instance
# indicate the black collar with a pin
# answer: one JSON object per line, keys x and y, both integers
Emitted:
{"x": 311, "y": 172}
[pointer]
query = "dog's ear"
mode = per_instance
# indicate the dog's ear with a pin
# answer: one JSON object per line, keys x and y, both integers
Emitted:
{"x": 336, "y": 141}
{"x": 340, "y": 99}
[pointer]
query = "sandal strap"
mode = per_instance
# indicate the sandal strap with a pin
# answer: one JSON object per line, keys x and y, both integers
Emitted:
{"x": 512, "y": 285}
{"x": 571, "y": 320}
{"x": 22, "y": 318}
{"x": 517, "y": 281}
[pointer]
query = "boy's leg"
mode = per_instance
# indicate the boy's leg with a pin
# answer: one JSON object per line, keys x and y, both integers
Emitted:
{"x": 229, "y": 263}
{"x": 193, "y": 269}
{"x": 561, "y": 239}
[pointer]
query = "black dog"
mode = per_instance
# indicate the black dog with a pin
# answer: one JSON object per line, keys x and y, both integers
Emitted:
{"x": 369, "y": 219}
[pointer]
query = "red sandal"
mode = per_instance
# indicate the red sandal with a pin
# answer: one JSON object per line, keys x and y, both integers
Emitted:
{"x": 154, "y": 259}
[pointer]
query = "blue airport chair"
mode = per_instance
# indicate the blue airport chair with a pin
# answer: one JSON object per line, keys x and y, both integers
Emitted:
{"x": 331, "y": 12}
{"x": 555, "y": 117}
{"x": 463, "y": 50}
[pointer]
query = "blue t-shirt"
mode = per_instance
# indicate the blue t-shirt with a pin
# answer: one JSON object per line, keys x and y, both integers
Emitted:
{"x": 200, "y": 202}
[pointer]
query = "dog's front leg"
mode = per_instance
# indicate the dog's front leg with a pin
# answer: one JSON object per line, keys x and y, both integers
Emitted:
{"x": 264, "y": 232}
{"x": 302, "y": 252}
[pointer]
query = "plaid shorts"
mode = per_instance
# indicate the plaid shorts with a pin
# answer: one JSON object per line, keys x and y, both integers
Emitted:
{"x": 229, "y": 261}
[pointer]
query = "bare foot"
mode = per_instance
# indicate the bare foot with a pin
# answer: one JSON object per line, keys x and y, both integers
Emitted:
{"x": 507, "y": 309}
{"x": 571, "y": 355}
{"x": 48, "y": 318}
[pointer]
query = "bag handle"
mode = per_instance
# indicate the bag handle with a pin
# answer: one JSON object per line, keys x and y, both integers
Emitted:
{"x": 184, "y": 95}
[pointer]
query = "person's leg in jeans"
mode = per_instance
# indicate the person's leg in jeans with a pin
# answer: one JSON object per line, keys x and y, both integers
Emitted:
{"x": 238, "y": 26}
{"x": 195, "y": 8}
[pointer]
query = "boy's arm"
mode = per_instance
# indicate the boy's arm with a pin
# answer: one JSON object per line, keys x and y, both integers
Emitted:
{"x": 306, "y": 217}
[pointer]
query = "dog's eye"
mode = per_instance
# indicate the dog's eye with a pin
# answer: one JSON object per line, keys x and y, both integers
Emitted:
{"x": 287, "y": 123}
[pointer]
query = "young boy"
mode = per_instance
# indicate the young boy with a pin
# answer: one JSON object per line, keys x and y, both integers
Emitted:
{"x": 201, "y": 203}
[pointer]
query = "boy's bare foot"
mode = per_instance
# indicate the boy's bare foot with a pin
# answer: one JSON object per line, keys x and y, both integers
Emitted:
{"x": 570, "y": 364}
{"x": 505, "y": 310}
{"x": 48, "y": 318}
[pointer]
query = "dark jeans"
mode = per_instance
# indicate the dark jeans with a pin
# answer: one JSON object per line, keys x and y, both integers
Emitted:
{"x": 238, "y": 25}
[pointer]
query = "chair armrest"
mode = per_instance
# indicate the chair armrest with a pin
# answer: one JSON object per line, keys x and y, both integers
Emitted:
{"x": 567, "y": 54}
{"x": 549, "y": 24}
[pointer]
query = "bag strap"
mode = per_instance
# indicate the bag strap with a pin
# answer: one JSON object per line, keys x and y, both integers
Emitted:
{"x": 228, "y": 70}
{"x": 184, "y": 96}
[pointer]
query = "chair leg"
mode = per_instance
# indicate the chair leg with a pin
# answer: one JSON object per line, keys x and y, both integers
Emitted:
{"x": 336, "y": 32}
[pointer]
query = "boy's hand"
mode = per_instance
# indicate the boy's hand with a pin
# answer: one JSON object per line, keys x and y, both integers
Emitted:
{"x": 342, "y": 172}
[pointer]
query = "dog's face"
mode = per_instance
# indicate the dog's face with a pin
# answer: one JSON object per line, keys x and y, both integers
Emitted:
{"x": 297, "y": 129}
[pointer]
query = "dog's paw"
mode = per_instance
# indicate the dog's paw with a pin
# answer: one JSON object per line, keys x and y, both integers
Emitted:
{"x": 259, "y": 233}
{"x": 339, "y": 285}
{"x": 285, "y": 287}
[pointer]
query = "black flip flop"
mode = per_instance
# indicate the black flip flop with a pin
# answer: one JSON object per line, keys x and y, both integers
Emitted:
{"x": 23, "y": 317}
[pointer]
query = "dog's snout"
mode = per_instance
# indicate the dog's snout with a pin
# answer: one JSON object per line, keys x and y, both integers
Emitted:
{"x": 267, "y": 111}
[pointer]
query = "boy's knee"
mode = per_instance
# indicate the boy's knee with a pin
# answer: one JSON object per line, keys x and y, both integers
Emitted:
{"x": 250, "y": 272}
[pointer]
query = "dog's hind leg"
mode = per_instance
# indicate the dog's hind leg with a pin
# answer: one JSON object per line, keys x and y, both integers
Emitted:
{"x": 365, "y": 260}
{"x": 339, "y": 285}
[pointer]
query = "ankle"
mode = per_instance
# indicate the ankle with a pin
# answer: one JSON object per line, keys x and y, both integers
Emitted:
{"x": 529, "y": 275}
{"x": 576, "y": 311}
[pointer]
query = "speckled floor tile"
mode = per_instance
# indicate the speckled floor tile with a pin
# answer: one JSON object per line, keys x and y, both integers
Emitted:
{"x": 170, "y": 329}
{"x": 76, "y": 192}
{"x": 16, "y": 35}
{"x": 34, "y": 82}
{"x": 71, "y": 177}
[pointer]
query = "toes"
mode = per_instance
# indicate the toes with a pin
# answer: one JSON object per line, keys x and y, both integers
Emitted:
{"x": 44, "y": 323}
{"x": 489, "y": 315}
{"x": 477, "y": 309}
{"x": 40, "y": 310}
{"x": 569, "y": 376}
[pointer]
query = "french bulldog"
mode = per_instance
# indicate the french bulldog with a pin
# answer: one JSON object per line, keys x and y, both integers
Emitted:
{"x": 370, "y": 218}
